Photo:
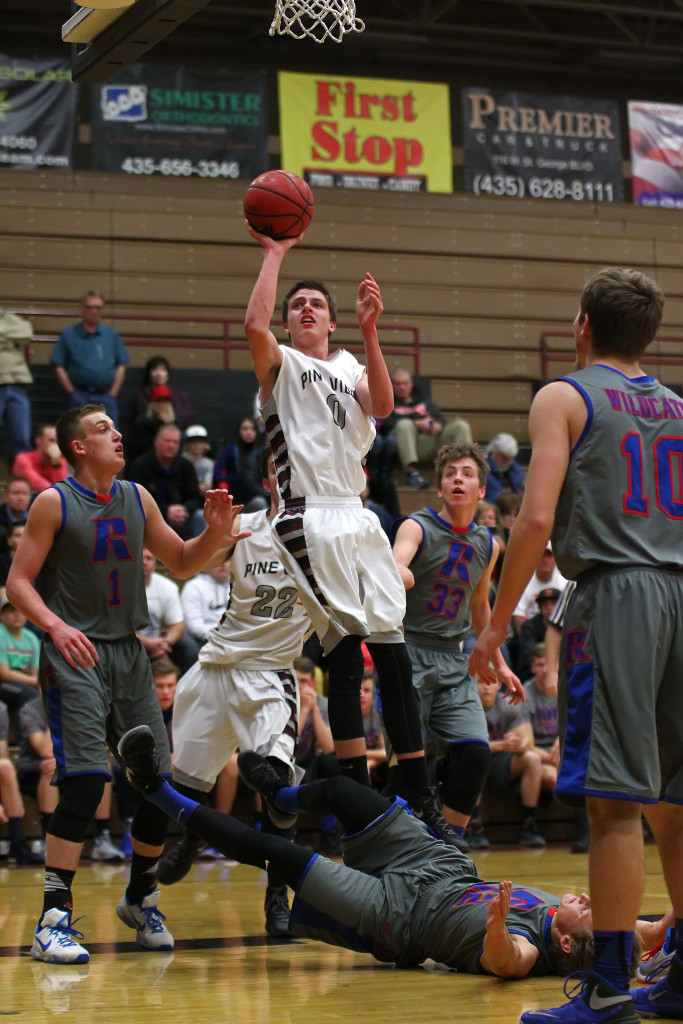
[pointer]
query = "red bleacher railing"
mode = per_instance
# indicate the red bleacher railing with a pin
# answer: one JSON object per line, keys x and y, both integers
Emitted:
{"x": 549, "y": 355}
{"x": 225, "y": 342}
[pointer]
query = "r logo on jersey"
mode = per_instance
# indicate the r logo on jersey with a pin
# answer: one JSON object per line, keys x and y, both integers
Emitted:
{"x": 110, "y": 533}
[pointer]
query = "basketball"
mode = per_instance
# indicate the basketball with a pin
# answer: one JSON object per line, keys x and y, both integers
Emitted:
{"x": 279, "y": 204}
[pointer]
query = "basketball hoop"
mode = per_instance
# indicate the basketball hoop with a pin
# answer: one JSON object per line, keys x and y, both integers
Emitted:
{"x": 318, "y": 19}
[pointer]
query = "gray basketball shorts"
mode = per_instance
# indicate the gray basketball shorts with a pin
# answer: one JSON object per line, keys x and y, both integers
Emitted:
{"x": 89, "y": 709}
{"x": 448, "y": 696}
{"x": 366, "y": 903}
{"x": 621, "y": 699}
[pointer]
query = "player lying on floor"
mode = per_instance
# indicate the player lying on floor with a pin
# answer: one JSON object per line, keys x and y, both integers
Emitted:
{"x": 401, "y": 894}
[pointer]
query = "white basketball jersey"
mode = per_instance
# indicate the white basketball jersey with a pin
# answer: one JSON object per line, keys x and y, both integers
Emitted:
{"x": 317, "y": 430}
{"x": 264, "y": 624}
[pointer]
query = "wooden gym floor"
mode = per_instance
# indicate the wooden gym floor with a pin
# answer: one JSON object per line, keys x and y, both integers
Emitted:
{"x": 225, "y": 969}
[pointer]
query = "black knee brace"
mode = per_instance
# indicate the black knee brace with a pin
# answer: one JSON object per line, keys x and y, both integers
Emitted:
{"x": 79, "y": 798}
{"x": 150, "y": 824}
{"x": 345, "y": 664}
{"x": 400, "y": 708}
{"x": 464, "y": 775}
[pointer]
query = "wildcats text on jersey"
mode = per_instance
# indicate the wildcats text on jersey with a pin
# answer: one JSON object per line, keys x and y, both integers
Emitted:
{"x": 650, "y": 408}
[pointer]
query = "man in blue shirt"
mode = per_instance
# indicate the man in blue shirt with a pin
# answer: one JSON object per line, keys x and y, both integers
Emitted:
{"x": 90, "y": 360}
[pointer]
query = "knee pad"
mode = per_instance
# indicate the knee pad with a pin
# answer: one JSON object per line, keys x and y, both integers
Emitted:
{"x": 79, "y": 797}
{"x": 464, "y": 775}
{"x": 150, "y": 824}
{"x": 345, "y": 663}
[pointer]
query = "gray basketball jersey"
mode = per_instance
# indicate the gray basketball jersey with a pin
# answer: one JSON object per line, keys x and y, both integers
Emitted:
{"x": 453, "y": 922}
{"x": 264, "y": 624}
{"x": 447, "y": 567}
{"x": 502, "y": 717}
{"x": 542, "y": 711}
{"x": 621, "y": 503}
{"x": 92, "y": 577}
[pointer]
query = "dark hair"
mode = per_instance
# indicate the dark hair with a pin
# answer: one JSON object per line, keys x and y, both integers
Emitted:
{"x": 69, "y": 426}
{"x": 19, "y": 479}
{"x": 40, "y": 430}
{"x": 463, "y": 450}
{"x": 152, "y": 364}
{"x": 508, "y": 503}
{"x": 263, "y": 461}
{"x": 305, "y": 665}
{"x": 312, "y": 285}
{"x": 162, "y": 665}
{"x": 624, "y": 309}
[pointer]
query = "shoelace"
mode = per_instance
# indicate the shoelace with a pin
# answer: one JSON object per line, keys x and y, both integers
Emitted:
{"x": 64, "y": 934}
{"x": 155, "y": 919}
{"x": 652, "y": 952}
{"x": 580, "y": 983}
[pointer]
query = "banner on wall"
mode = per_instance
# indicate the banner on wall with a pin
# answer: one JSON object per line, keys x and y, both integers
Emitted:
{"x": 366, "y": 133}
{"x": 38, "y": 104}
{"x": 656, "y": 134}
{"x": 547, "y": 147}
{"x": 181, "y": 122}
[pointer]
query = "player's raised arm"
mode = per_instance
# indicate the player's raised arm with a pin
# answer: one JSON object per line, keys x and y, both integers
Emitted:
{"x": 374, "y": 391}
{"x": 263, "y": 345}
{"x": 42, "y": 524}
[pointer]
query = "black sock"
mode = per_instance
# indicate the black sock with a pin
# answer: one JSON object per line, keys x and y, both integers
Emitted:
{"x": 529, "y": 817}
{"x": 415, "y": 778}
{"x": 16, "y": 833}
{"x": 355, "y": 768}
{"x": 58, "y": 882}
{"x": 143, "y": 877}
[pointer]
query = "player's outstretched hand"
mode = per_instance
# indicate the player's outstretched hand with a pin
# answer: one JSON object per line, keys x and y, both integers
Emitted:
{"x": 221, "y": 514}
{"x": 369, "y": 304}
{"x": 516, "y": 694}
{"x": 282, "y": 244}
{"x": 74, "y": 646}
{"x": 486, "y": 646}
{"x": 499, "y": 908}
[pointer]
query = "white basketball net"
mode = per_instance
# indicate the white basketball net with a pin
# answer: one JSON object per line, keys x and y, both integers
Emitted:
{"x": 318, "y": 19}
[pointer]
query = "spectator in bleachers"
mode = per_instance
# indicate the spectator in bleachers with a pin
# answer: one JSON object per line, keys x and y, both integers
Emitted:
{"x": 164, "y": 634}
{"x": 11, "y": 804}
{"x": 196, "y": 449}
{"x": 19, "y": 657}
{"x": 158, "y": 374}
{"x": 238, "y": 467}
{"x": 14, "y": 509}
{"x": 505, "y": 473}
{"x": 534, "y": 629}
{"x": 372, "y": 725}
{"x": 515, "y": 768}
{"x": 16, "y": 532}
{"x": 203, "y": 599}
{"x": 36, "y": 763}
{"x": 541, "y": 706}
{"x": 547, "y": 575}
{"x": 314, "y": 750}
{"x": 15, "y": 408}
{"x": 45, "y": 465}
{"x": 172, "y": 482}
{"x": 90, "y": 360}
{"x": 419, "y": 428}
{"x": 146, "y": 425}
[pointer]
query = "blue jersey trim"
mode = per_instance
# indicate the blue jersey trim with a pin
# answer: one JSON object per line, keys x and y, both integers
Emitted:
{"x": 91, "y": 494}
{"x": 449, "y": 526}
{"x": 474, "y": 739}
{"x": 63, "y": 520}
{"x": 377, "y": 821}
{"x": 644, "y": 379}
{"x": 589, "y": 409}
{"x": 304, "y": 873}
{"x": 137, "y": 495}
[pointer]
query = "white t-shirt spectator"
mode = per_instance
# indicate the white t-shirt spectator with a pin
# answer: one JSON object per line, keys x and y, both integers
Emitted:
{"x": 163, "y": 601}
{"x": 527, "y": 603}
{"x": 203, "y": 600}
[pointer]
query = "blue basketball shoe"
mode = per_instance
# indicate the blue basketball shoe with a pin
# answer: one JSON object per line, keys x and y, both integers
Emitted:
{"x": 658, "y": 1000}
{"x": 591, "y": 1001}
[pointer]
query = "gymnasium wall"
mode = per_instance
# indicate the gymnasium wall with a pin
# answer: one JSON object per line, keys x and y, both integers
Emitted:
{"x": 479, "y": 278}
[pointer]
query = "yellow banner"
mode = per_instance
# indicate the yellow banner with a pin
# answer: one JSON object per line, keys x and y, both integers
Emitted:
{"x": 366, "y": 132}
